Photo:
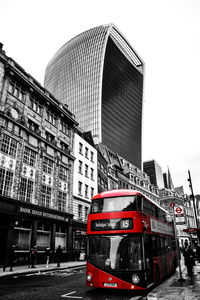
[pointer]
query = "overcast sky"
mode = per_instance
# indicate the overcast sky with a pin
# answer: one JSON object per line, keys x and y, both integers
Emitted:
{"x": 166, "y": 35}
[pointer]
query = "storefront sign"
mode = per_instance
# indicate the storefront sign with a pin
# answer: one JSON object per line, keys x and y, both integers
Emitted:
{"x": 39, "y": 213}
{"x": 111, "y": 224}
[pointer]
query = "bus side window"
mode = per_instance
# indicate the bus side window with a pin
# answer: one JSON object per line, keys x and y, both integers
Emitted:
{"x": 153, "y": 210}
{"x": 155, "y": 246}
{"x": 156, "y": 212}
{"x": 147, "y": 206}
{"x": 161, "y": 214}
{"x": 168, "y": 245}
{"x": 165, "y": 245}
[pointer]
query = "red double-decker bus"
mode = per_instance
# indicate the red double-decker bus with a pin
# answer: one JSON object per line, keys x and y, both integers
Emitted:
{"x": 130, "y": 241}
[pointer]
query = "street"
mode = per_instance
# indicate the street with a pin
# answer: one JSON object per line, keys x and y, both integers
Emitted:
{"x": 57, "y": 284}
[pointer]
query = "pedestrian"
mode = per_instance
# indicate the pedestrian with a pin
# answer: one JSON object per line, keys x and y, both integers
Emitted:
{"x": 33, "y": 257}
{"x": 30, "y": 258}
{"x": 58, "y": 255}
{"x": 47, "y": 254}
{"x": 10, "y": 258}
{"x": 198, "y": 253}
{"x": 189, "y": 260}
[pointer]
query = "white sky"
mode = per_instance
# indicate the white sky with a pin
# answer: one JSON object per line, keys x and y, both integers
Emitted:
{"x": 166, "y": 35}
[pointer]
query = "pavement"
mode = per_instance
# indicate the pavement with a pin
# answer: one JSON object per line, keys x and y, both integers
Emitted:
{"x": 17, "y": 270}
{"x": 178, "y": 287}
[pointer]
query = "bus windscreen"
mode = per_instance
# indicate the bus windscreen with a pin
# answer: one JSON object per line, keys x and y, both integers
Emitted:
{"x": 119, "y": 252}
{"x": 125, "y": 203}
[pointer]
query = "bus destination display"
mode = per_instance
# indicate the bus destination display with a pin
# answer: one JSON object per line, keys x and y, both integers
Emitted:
{"x": 111, "y": 224}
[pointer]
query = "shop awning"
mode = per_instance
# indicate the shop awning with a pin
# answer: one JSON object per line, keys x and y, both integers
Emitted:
{"x": 191, "y": 230}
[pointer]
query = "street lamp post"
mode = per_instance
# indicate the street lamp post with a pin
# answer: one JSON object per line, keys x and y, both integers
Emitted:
{"x": 194, "y": 206}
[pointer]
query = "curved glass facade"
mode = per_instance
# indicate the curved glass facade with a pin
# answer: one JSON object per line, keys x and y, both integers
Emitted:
{"x": 100, "y": 77}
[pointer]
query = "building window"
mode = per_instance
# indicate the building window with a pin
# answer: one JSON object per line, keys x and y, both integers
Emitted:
{"x": 80, "y": 188}
{"x": 80, "y": 148}
{"x": 22, "y": 235}
{"x": 26, "y": 190}
{"x": 46, "y": 196}
{"x": 29, "y": 157}
{"x": 52, "y": 118}
{"x": 60, "y": 237}
{"x": 6, "y": 181}
{"x": 62, "y": 201}
{"x": 80, "y": 166}
{"x": 105, "y": 171}
{"x": 86, "y": 212}
{"x": 86, "y": 191}
{"x": 64, "y": 147}
{"x": 64, "y": 127}
{"x": 33, "y": 126}
{"x": 86, "y": 152}
{"x": 16, "y": 90}
{"x": 86, "y": 170}
{"x": 63, "y": 172}
{"x": 8, "y": 145}
{"x": 35, "y": 105}
{"x": 50, "y": 137}
{"x": 43, "y": 236}
{"x": 92, "y": 192}
{"x": 92, "y": 173}
{"x": 80, "y": 212}
{"x": 92, "y": 156}
{"x": 47, "y": 166}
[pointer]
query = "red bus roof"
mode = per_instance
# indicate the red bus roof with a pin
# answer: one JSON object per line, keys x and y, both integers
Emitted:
{"x": 116, "y": 193}
{"x": 124, "y": 192}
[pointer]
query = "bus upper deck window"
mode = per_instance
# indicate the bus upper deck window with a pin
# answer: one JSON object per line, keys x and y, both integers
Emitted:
{"x": 95, "y": 208}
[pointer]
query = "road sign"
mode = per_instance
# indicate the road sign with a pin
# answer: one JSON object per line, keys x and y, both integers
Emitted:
{"x": 172, "y": 204}
{"x": 178, "y": 210}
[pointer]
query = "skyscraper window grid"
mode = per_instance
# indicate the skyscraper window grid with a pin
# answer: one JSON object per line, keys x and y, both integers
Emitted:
{"x": 95, "y": 72}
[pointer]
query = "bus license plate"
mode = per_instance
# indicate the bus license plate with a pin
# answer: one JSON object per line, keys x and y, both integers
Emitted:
{"x": 111, "y": 284}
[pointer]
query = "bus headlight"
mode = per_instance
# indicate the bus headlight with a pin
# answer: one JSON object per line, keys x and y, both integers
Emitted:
{"x": 135, "y": 278}
{"x": 89, "y": 276}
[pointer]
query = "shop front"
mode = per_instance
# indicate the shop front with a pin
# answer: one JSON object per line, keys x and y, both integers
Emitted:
{"x": 79, "y": 240}
{"x": 26, "y": 225}
{"x": 194, "y": 234}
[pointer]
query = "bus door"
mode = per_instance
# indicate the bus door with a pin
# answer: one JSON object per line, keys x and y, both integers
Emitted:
{"x": 148, "y": 258}
{"x": 163, "y": 253}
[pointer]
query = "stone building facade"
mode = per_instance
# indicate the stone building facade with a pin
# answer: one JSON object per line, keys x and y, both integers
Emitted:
{"x": 36, "y": 166}
{"x": 183, "y": 214}
{"x": 84, "y": 187}
{"x": 121, "y": 174}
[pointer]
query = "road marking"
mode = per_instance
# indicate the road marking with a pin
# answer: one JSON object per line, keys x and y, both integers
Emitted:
{"x": 71, "y": 297}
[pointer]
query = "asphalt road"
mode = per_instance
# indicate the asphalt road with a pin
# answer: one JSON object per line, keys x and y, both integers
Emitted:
{"x": 59, "y": 284}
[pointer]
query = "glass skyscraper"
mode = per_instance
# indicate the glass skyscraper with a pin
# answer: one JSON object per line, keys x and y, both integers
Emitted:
{"x": 154, "y": 171}
{"x": 100, "y": 77}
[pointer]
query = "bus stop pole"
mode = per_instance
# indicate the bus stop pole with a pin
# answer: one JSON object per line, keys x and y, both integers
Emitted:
{"x": 194, "y": 207}
{"x": 177, "y": 246}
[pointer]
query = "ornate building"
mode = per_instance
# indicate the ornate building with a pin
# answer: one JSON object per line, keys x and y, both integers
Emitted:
{"x": 183, "y": 212}
{"x": 36, "y": 165}
{"x": 124, "y": 175}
